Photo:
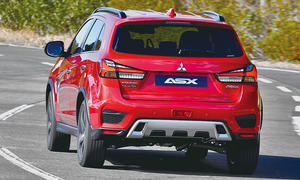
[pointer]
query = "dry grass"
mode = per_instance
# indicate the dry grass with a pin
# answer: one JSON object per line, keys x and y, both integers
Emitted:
{"x": 30, "y": 38}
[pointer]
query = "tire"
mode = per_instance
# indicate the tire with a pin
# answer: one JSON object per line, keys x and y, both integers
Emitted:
{"x": 56, "y": 141}
{"x": 90, "y": 152}
{"x": 195, "y": 153}
{"x": 242, "y": 157}
{"x": 261, "y": 113}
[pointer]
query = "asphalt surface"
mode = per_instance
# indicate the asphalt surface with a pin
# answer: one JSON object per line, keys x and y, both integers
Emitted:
{"x": 23, "y": 80}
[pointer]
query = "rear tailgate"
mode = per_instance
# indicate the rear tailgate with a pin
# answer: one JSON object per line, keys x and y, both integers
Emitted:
{"x": 180, "y": 59}
{"x": 165, "y": 81}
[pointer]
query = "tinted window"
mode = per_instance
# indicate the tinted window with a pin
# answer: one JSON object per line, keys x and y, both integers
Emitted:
{"x": 182, "y": 39}
{"x": 100, "y": 38}
{"x": 78, "y": 41}
{"x": 93, "y": 36}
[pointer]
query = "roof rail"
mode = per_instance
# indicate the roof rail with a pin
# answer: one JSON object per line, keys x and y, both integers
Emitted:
{"x": 214, "y": 15}
{"x": 191, "y": 13}
{"x": 117, "y": 12}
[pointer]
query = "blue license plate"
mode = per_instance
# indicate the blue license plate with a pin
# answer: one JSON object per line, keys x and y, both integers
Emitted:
{"x": 184, "y": 81}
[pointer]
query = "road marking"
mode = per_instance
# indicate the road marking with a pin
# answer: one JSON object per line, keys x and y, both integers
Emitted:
{"x": 264, "y": 80}
{"x": 284, "y": 89}
{"x": 1, "y": 55}
{"x": 22, "y": 46}
{"x": 276, "y": 69}
{"x": 297, "y": 108}
{"x": 296, "y": 122}
{"x": 26, "y": 166}
{"x": 8, "y": 155}
{"x": 296, "y": 98}
{"x": 14, "y": 111}
{"x": 47, "y": 63}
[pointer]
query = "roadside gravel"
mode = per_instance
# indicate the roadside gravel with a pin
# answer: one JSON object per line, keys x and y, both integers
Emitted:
{"x": 276, "y": 64}
{"x": 30, "y": 38}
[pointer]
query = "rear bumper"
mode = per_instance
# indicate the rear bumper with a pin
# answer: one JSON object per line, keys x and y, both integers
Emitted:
{"x": 119, "y": 136}
{"x": 222, "y": 112}
{"x": 164, "y": 110}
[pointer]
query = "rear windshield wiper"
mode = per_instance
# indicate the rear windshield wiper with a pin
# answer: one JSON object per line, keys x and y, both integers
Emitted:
{"x": 195, "y": 52}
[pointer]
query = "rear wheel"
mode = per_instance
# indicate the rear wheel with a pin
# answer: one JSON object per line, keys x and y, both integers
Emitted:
{"x": 242, "y": 157}
{"x": 56, "y": 141}
{"x": 91, "y": 152}
{"x": 196, "y": 153}
{"x": 261, "y": 113}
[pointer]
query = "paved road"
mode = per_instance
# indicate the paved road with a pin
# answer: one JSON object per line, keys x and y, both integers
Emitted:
{"x": 24, "y": 154}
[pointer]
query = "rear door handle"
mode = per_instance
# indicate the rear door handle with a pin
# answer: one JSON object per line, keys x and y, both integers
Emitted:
{"x": 82, "y": 67}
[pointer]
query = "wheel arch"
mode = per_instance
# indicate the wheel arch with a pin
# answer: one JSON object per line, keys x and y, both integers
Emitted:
{"x": 260, "y": 107}
{"x": 49, "y": 88}
{"x": 82, "y": 96}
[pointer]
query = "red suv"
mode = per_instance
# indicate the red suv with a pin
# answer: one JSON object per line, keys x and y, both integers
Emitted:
{"x": 140, "y": 78}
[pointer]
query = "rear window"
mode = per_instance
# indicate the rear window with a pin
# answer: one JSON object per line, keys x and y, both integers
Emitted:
{"x": 176, "y": 39}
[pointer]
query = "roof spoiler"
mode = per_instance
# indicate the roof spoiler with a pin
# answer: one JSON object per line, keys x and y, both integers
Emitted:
{"x": 119, "y": 13}
{"x": 214, "y": 15}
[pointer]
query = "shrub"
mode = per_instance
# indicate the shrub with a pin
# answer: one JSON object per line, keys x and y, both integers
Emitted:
{"x": 47, "y": 16}
{"x": 272, "y": 26}
{"x": 284, "y": 43}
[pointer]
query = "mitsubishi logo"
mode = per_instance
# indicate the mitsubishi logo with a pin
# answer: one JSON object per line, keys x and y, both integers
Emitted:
{"x": 181, "y": 67}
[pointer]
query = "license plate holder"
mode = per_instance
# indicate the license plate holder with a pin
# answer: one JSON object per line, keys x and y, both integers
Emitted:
{"x": 181, "y": 81}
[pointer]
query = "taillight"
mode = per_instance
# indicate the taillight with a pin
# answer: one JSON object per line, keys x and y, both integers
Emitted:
{"x": 247, "y": 74}
{"x": 110, "y": 69}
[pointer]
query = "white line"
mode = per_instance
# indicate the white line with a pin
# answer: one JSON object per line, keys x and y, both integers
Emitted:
{"x": 276, "y": 69}
{"x": 264, "y": 80}
{"x": 296, "y": 98}
{"x": 1, "y": 55}
{"x": 22, "y": 46}
{"x": 284, "y": 89}
{"x": 296, "y": 122}
{"x": 14, "y": 158}
{"x": 297, "y": 108}
{"x": 14, "y": 111}
{"x": 47, "y": 63}
{"x": 25, "y": 165}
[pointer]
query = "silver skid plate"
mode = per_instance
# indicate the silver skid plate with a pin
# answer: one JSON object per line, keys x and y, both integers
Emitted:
{"x": 169, "y": 126}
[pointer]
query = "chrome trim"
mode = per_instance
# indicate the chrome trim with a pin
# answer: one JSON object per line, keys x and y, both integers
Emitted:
{"x": 181, "y": 67}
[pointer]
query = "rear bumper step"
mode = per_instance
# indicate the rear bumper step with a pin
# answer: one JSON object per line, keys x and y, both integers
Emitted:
{"x": 144, "y": 128}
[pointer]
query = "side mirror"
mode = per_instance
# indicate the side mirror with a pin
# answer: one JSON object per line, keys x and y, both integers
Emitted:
{"x": 55, "y": 49}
